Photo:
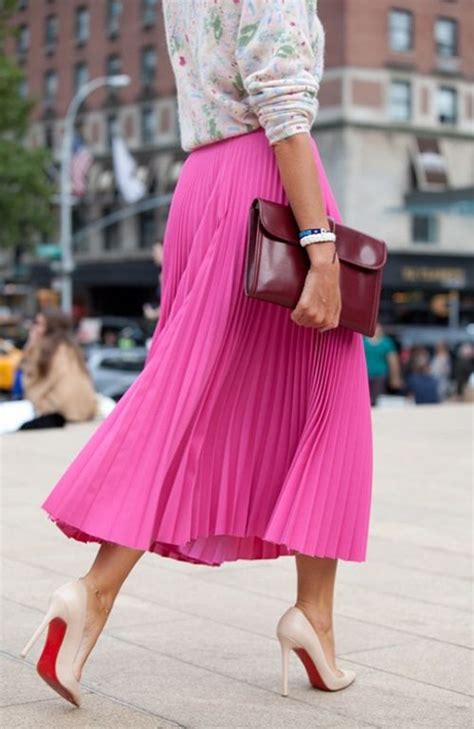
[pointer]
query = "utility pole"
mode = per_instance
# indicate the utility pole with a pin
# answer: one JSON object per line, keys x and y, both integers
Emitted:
{"x": 67, "y": 255}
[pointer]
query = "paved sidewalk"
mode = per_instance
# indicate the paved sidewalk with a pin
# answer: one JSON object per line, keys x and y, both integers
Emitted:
{"x": 193, "y": 646}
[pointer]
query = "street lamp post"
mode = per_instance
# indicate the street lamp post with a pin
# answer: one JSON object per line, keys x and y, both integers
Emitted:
{"x": 67, "y": 257}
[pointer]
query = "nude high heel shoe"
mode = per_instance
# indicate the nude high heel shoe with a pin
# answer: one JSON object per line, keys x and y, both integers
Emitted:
{"x": 65, "y": 618}
{"x": 295, "y": 632}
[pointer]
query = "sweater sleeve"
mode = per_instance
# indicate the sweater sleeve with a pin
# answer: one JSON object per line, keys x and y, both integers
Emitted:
{"x": 280, "y": 62}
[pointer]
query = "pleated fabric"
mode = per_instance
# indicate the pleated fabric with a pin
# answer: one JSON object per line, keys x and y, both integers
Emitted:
{"x": 246, "y": 436}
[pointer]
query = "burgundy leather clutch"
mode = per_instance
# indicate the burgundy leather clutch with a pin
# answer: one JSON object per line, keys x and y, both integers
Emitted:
{"x": 276, "y": 265}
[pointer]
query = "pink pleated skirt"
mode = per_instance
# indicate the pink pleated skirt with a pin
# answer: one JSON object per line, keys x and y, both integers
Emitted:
{"x": 246, "y": 436}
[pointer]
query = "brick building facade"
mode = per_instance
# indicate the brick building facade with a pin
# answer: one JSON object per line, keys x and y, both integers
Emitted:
{"x": 395, "y": 129}
{"x": 61, "y": 45}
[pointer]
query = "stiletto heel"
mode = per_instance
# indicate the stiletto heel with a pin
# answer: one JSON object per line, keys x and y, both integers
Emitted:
{"x": 295, "y": 632}
{"x": 285, "y": 657}
{"x": 54, "y": 610}
{"x": 65, "y": 618}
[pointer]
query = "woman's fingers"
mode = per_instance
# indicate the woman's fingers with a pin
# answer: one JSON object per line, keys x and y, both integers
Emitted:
{"x": 319, "y": 305}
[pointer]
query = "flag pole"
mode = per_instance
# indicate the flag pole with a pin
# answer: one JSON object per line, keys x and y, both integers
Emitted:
{"x": 65, "y": 199}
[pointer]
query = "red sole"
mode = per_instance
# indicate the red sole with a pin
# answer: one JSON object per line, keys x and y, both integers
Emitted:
{"x": 46, "y": 666}
{"x": 313, "y": 673}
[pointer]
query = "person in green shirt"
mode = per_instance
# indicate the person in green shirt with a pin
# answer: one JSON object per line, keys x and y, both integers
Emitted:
{"x": 382, "y": 363}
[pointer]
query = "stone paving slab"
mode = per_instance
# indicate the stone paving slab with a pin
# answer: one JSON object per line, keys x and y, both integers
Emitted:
{"x": 21, "y": 710}
{"x": 195, "y": 647}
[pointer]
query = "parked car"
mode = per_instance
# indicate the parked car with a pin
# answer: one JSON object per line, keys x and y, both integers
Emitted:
{"x": 10, "y": 358}
{"x": 113, "y": 369}
{"x": 109, "y": 330}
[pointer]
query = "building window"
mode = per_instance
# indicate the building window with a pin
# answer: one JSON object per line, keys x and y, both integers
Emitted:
{"x": 446, "y": 37}
{"x": 424, "y": 228}
{"x": 23, "y": 88}
{"x": 81, "y": 31}
{"x": 148, "y": 66}
{"x": 114, "y": 11}
{"x": 112, "y": 128}
{"x": 447, "y": 105}
{"x": 81, "y": 75}
{"x": 400, "y": 29}
{"x": 113, "y": 68}
{"x": 50, "y": 32}
{"x": 50, "y": 86}
{"x": 400, "y": 100}
{"x": 111, "y": 232}
{"x": 148, "y": 12}
{"x": 114, "y": 65}
{"x": 147, "y": 229}
{"x": 23, "y": 39}
{"x": 148, "y": 124}
{"x": 49, "y": 136}
{"x": 429, "y": 165}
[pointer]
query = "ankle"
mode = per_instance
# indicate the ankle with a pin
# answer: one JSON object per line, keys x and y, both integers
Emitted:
{"x": 104, "y": 597}
{"x": 319, "y": 615}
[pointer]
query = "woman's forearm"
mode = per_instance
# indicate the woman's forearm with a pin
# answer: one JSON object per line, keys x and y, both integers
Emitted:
{"x": 300, "y": 179}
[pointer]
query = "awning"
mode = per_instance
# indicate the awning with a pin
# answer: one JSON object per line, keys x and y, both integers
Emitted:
{"x": 431, "y": 170}
{"x": 125, "y": 272}
{"x": 459, "y": 201}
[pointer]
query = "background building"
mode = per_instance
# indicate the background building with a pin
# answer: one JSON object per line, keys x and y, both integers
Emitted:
{"x": 395, "y": 129}
{"x": 61, "y": 45}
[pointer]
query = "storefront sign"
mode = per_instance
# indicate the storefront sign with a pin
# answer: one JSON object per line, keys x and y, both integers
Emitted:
{"x": 444, "y": 275}
{"x": 429, "y": 272}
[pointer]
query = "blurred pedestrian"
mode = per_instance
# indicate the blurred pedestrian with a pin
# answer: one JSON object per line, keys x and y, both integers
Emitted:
{"x": 421, "y": 385}
{"x": 463, "y": 368}
{"x": 383, "y": 364}
{"x": 151, "y": 310}
{"x": 110, "y": 338}
{"x": 440, "y": 368}
{"x": 247, "y": 435}
{"x": 56, "y": 384}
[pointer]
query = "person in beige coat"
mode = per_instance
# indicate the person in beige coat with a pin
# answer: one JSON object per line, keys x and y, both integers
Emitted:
{"x": 55, "y": 376}
{"x": 66, "y": 388}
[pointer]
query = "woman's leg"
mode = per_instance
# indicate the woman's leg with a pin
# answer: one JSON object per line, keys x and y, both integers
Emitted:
{"x": 316, "y": 580}
{"x": 111, "y": 566}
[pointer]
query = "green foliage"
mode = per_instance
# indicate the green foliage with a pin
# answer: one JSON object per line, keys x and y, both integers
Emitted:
{"x": 7, "y": 8}
{"x": 25, "y": 188}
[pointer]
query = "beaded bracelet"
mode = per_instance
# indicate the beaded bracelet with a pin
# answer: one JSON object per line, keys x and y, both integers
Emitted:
{"x": 322, "y": 236}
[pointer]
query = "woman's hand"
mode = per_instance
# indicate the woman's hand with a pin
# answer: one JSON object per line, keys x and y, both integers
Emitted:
{"x": 320, "y": 301}
{"x": 319, "y": 304}
{"x": 34, "y": 337}
{"x": 36, "y": 332}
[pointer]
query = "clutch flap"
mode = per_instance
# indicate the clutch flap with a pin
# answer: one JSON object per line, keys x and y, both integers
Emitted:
{"x": 353, "y": 246}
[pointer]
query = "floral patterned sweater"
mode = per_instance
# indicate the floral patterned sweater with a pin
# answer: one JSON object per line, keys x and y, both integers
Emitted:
{"x": 244, "y": 64}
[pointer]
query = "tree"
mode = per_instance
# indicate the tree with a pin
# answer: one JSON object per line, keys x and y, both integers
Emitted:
{"x": 25, "y": 187}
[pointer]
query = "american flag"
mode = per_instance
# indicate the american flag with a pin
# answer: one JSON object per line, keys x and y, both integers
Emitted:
{"x": 80, "y": 165}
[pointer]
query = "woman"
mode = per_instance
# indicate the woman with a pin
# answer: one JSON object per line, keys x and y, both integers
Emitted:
{"x": 55, "y": 379}
{"x": 440, "y": 368}
{"x": 248, "y": 434}
{"x": 383, "y": 364}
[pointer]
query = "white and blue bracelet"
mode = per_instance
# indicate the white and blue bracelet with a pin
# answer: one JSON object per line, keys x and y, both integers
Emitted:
{"x": 316, "y": 235}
